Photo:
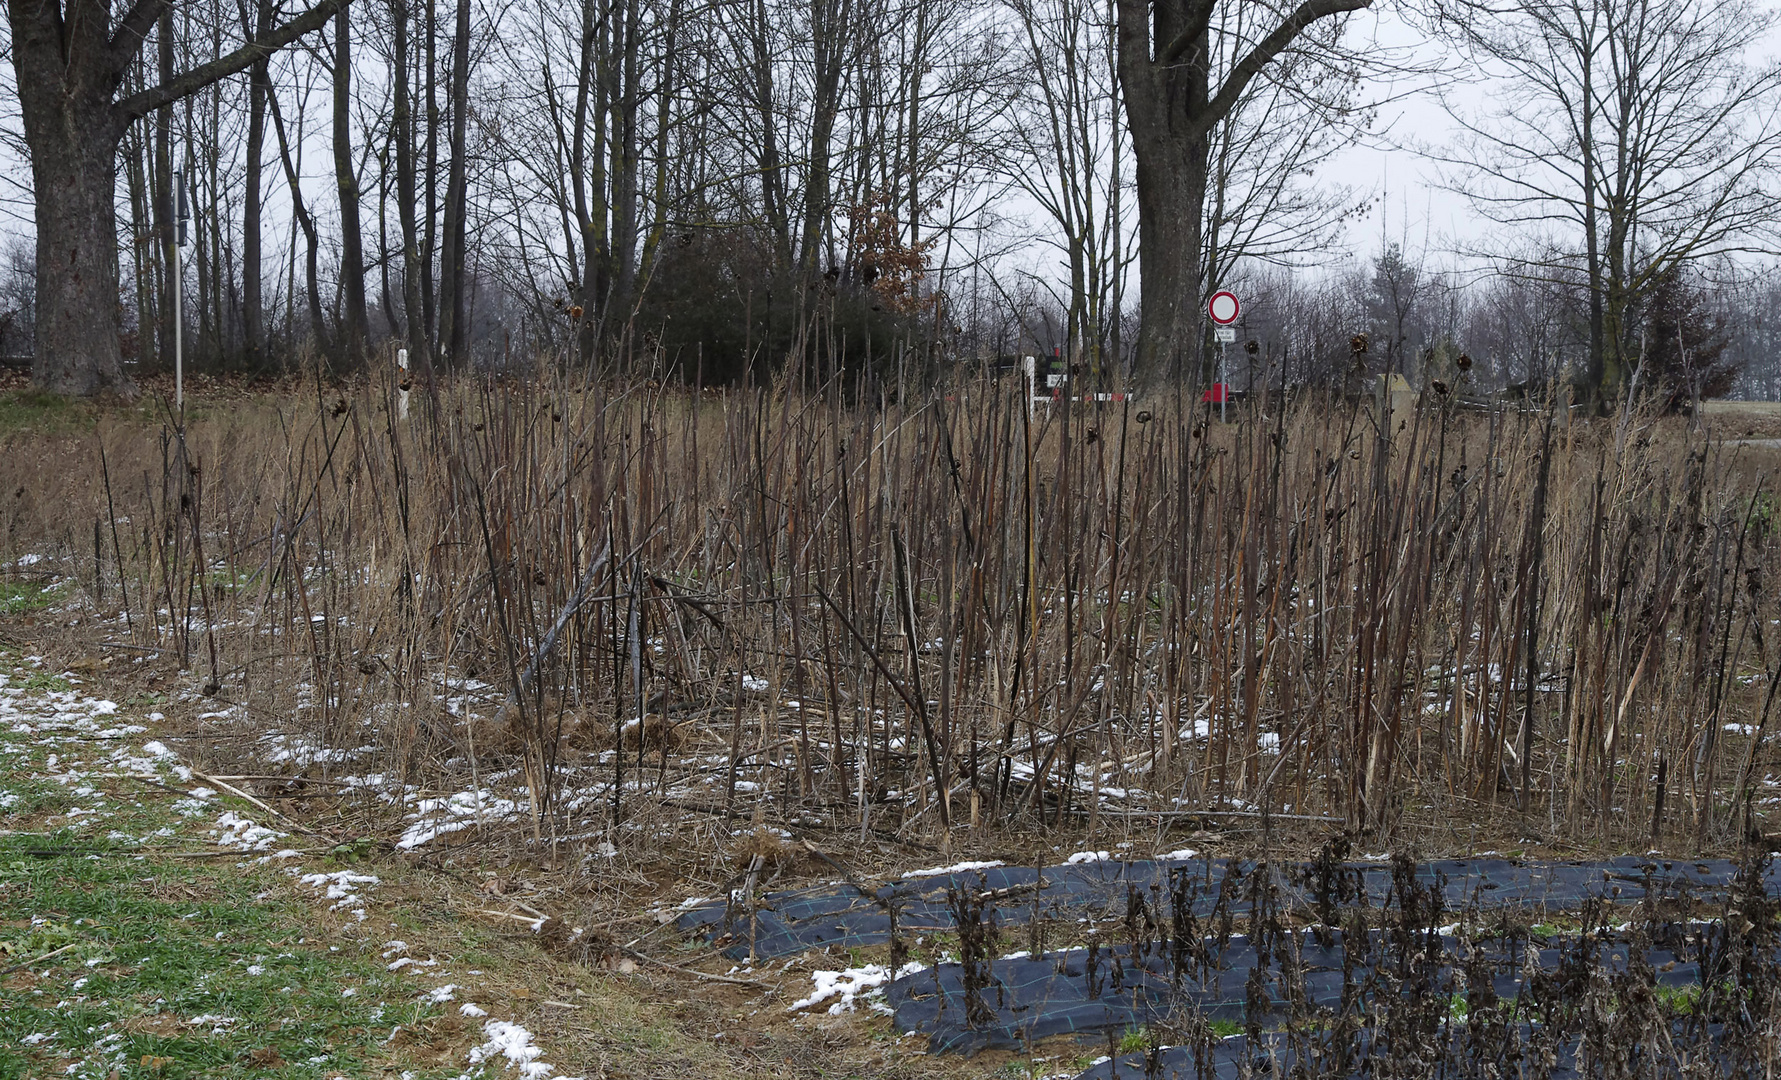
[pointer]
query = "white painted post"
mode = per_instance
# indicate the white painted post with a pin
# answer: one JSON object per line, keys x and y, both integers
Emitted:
{"x": 402, "y": 383}
{"x": 1029, "y": 366}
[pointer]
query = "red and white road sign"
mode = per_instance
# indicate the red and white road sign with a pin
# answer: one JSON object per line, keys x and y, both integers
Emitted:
{"x": 1223, "y": 307}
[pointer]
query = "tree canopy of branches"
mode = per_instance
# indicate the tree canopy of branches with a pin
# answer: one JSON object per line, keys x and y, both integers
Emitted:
{"x": 71, "y": 58}
{"x": 1183, "y": 69}
{"x": 1638, "y": 135}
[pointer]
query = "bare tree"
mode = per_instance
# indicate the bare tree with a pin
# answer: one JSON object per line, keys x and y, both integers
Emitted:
{"x": 70, "y": 59}
{"x": 452, "y": 338}
{"x": 253, "y": 308}
{"x": 1072, "y": 144}
{"x": 1181, "y": 73}
{"x": 1637, "y": 131}
{"x": 354, "y": 328}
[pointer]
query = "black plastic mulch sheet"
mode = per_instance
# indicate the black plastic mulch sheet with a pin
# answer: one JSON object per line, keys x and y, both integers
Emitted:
{"x": 794, "y": 920}
{"x": 1100, "y": 991}
{"x": 1520, "y": 1052}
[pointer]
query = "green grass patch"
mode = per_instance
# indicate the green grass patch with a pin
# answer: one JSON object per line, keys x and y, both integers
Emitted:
{"x": 36, "y": 411}
{"x": 1134, "y": 1040}
{"x": 40, "y": 680}
{"x": 122, "y": 961}
{"x": 172, "y": 968}
{"x": 22, "y": 597}
{"x": 25, "y": 798}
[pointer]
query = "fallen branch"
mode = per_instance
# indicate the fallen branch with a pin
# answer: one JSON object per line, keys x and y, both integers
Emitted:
{"x": 40, "y": 959}
{"x": 238, "y": 793}
{"x": 635, "y": 955}
{"x": 549, "y": 642}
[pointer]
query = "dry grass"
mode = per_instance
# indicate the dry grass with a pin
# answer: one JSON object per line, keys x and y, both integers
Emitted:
{"x": 1091, "y": 616}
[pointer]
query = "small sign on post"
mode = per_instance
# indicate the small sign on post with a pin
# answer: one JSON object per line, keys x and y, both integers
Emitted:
{"x": 1223, "y": 309}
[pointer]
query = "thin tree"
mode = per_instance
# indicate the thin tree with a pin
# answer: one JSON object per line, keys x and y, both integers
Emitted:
{"x": 253, "y": 307}
{"x": 452, "y": 338}
{"x": 354, "y": 327}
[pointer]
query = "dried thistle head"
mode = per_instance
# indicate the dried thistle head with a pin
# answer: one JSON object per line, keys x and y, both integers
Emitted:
{"x": 773, "y": 849}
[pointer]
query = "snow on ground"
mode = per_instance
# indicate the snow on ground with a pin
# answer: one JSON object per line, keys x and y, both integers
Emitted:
{"x": 84, "y": 742}
{"x": 852, "y": 984}
{"x": 955, "y": 868}
{"x": 435, "y": 817}
{"x": 509, "y": 1040}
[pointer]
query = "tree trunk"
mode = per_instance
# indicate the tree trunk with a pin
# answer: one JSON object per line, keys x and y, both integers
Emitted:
{"x": 452, "y": 314}
{"x": 588, "y": 191}
{"x": 412, "y": 307}
{"x": 1171, "y": 197}
{"x": 624, "y": 174}
{"x": 354, "y": 326}
{"x": 165, "y": 228}
{"x": 253, "y": 318}
{"x": 1172, "y": 104}
{"x": 596, "y": 231}
{"x": 430, "y": 231}
{"x": 77, "y": 280}
{"x": 142, "y": 259}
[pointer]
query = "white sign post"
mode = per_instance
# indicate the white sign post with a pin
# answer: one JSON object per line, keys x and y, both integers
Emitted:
{"x": 1223, "y": 309}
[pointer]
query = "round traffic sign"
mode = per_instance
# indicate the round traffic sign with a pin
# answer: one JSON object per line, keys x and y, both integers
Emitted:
{"x": 1223, "y": 307}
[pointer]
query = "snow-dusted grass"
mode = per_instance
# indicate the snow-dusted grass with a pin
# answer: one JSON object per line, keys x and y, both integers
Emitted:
{"x": 133, "y": 960}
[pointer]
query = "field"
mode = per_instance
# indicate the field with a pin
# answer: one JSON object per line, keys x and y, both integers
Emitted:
{"x": 563, "y": 661}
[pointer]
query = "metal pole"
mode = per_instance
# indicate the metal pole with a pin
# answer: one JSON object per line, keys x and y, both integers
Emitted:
{"x": 1224, "y": 384}
{"x": 179, "y": 370}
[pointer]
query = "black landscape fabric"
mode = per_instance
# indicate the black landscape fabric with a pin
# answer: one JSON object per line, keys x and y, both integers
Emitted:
{"x": 1453, "y": 1052}
{"x": 1114, "y": 990}
{"x": 792, "y": 921}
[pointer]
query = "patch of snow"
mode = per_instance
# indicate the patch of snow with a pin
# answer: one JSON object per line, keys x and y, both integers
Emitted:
{"x": 850, "y": 984}
{"x": 509, "y": 1040}
{"x": 342, "y": 887}
{"x": 237, "y": 831}
{"x": 955, "y": 868}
